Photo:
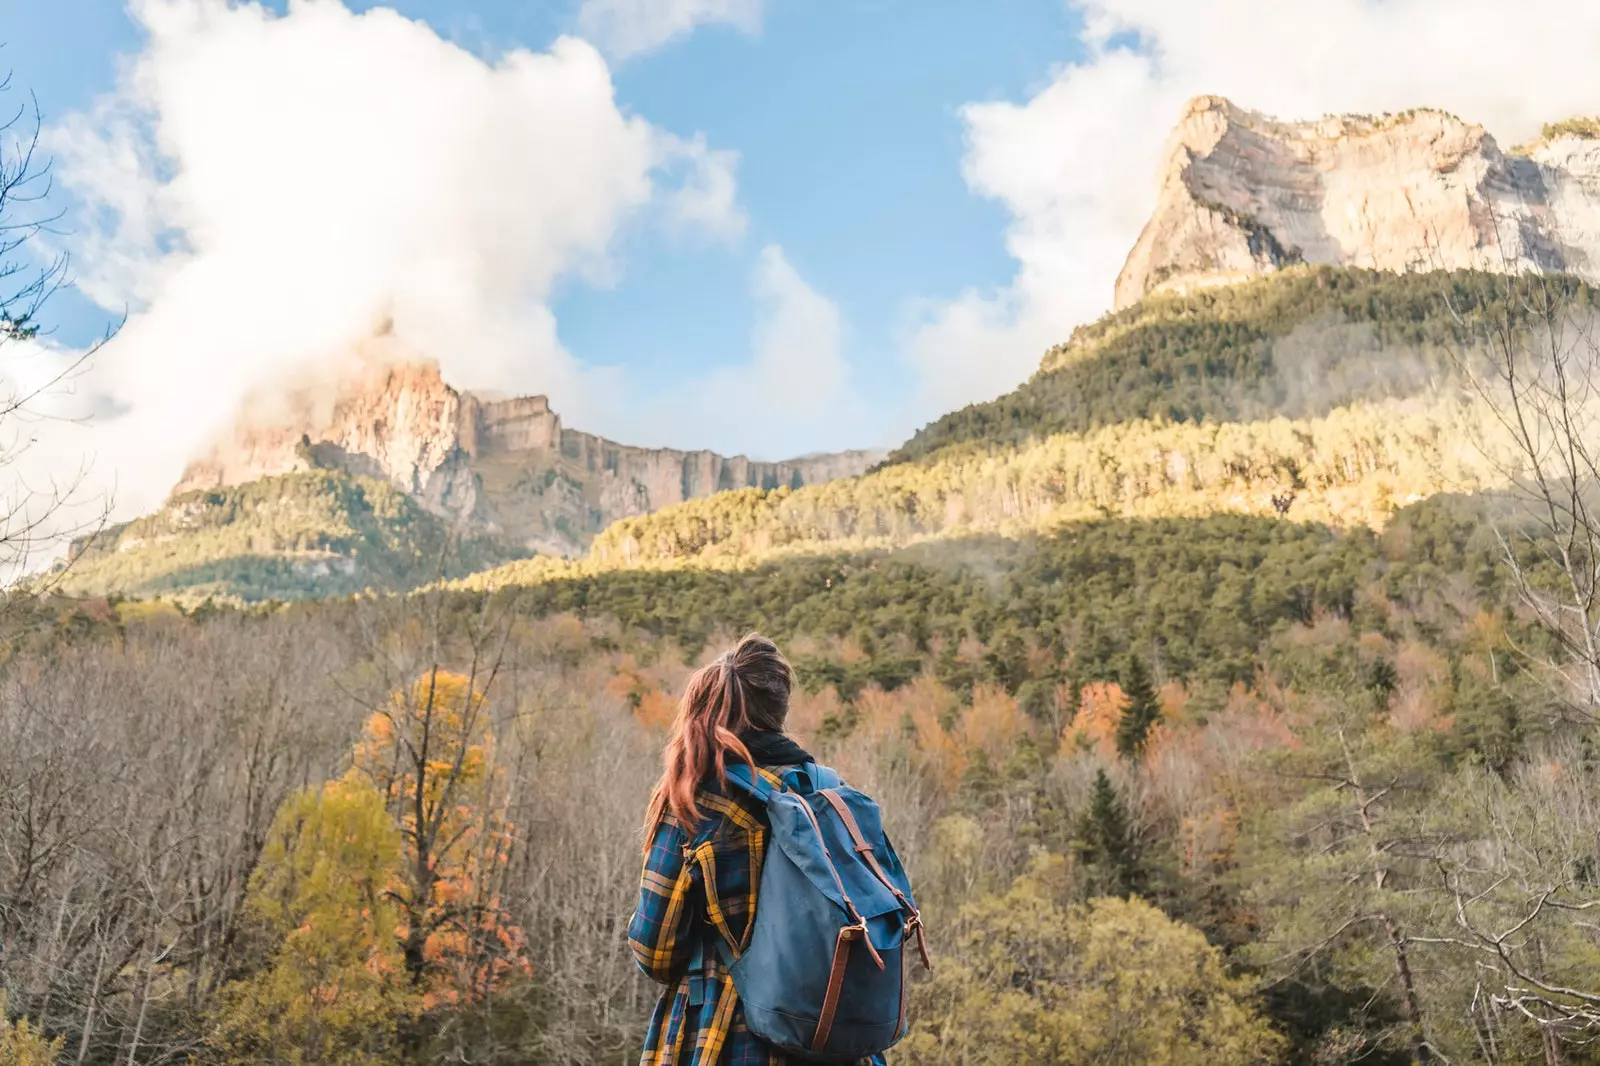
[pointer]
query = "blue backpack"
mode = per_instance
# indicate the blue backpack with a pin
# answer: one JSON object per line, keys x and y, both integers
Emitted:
{"x": 821, "y": 977}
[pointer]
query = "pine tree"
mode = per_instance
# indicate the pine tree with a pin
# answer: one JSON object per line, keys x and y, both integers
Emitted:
{"x": 1142, "y": 710}
{"x": 1108, "y": 844}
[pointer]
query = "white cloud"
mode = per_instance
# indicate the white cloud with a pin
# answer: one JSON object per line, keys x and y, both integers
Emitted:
{"x": 1076, "y": 165}
{"x": 794, "y": 395}
{"x": 626, "y": 28}
{"x": 708, "y": 199}
{"x": 270, "y": 187}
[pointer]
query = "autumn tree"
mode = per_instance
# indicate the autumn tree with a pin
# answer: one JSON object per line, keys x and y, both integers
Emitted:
{"x": 333, "y": 988}
{"x": 1107, "y": 983}
{"x": 21, "y": 1044}
{"x": 430, "y": 755}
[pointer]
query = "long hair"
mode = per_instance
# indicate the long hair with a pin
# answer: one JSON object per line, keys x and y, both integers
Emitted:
{"x": 746, "y": 688}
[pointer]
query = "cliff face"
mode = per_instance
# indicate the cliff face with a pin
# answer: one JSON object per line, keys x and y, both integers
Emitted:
{"x": 1243, "y": 195}
{"x": 502, "y": 466}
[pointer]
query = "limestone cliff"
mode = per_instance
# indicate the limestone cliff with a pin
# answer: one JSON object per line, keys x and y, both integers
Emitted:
{"x": 502, "y": 466}
{"x": 1242, "y": 195}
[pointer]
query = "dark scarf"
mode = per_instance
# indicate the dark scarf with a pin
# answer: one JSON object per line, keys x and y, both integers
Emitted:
{"x": 769, "y": 747}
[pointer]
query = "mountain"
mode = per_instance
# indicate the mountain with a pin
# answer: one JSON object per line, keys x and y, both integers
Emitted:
{"x": 370, "y": 482}
{"x": 292, "y": 536}
{"x": 1319, "y": 394}
{"x": 502, "y": 467}
{"x": 1287, "y": 344}
{"x": 1244, "y": 195}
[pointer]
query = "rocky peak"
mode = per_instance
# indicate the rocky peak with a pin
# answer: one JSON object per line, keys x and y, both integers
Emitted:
{"x": 502, "y": 466}
{"x": 1243, "y": 194}
{"x": 396, "y": 421}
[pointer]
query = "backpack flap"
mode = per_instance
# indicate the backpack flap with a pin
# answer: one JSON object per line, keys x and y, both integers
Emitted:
{"x": 796, "y": 821}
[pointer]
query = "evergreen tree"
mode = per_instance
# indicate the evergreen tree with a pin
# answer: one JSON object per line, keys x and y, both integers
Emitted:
{"x": 1142, "y": 712}
{"x": 1108, "y": 844}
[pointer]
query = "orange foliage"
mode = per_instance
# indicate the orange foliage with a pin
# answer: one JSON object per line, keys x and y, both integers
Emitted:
{"x": 431, "y": 754}
{"x": 880, "y": 716}
{"x": 993, "y": 723}
{"x": 922, "y": 706}
{"x": 940, "y": 754}
{"x": 655, "y": 709}
{"x": 810, "y": 712}
{"x": 1094, "y": 727}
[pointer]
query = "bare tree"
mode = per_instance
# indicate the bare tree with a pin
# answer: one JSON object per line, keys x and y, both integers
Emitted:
{"x": 1529, "y": 354}
{"x": 36, "y": 517}
{"x": 1530, "y": 358}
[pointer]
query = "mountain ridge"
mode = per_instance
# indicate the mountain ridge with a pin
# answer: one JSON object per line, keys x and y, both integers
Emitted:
{"x": 506, "y": 467}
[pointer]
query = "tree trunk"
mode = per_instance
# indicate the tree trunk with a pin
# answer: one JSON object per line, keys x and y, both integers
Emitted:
{"x": 1420, "y": 1052}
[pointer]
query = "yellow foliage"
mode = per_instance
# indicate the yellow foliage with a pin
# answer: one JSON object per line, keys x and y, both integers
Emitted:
{"x": 1110, "y": 983}
{"x": 430, "y": 755}
{"x": 335, "y": 989}
{"x": 21, "y": 1045}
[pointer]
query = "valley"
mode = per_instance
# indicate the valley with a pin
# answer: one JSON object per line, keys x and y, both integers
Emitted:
{"x": 1229, "y": 685}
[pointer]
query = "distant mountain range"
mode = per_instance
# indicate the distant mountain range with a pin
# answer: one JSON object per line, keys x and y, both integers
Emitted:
{"x": 1282, "y": 347}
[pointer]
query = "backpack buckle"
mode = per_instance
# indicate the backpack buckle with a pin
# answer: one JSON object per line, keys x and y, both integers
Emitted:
{"x": 859, "y": 930}
{"x": 914, "y": 925}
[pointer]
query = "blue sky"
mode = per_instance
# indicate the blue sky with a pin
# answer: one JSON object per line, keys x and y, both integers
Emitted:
{"x": 845, "y": 115}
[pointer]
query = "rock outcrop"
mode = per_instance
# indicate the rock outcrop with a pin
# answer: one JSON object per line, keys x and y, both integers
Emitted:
{"x": 502, "y": 466}
{"x": 1244, "y": 195}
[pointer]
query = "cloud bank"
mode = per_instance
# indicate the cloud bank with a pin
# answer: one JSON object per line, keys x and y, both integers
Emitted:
{"x": 1076, "y": 165}
{"x": 263, "y": 190}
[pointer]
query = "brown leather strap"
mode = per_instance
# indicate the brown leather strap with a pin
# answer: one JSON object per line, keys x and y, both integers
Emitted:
{"x": 914, "y": 921}
{"x": 905, "y": 990}
{"x": 849, "y": 904}
{"x": 830, "y": 1002}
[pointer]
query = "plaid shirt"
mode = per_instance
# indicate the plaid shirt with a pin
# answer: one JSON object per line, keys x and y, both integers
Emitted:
{"x": 695, "y": 887}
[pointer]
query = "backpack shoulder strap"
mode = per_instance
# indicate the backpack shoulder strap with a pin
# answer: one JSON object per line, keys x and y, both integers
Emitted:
{"x": 822, "y": 777}
{"x": 752, "y": 783}
{"x": 864, "y": 849}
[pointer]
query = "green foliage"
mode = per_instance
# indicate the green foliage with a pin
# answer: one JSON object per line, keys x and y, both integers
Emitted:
{"x": 21, "y": 1045}
{"x": 1206, "y": 592}
{"x": 316, "y": 533}
{"x": 1293, "y": 345}
{"x": 1142, "y": 712}
{"x": 1585, "y": 127}
{"x": 333, "y": 986}
{"x": 1352, "y": 466}
{"x": 1109, "y": 983}
{"x": 1108, "y": 845}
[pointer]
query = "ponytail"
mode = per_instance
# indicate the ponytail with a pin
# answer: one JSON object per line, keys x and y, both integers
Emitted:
{"x": 745, "y": 688}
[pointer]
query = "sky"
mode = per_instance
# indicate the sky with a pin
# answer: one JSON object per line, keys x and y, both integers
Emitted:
{"x": 761, "y": 226}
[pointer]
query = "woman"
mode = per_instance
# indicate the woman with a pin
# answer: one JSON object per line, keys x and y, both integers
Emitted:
{"x": 704, "y": 841}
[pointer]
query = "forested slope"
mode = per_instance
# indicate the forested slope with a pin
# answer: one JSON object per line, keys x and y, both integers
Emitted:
{"x": 317, "y": 533}
{"x": 1325, "y": 395}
